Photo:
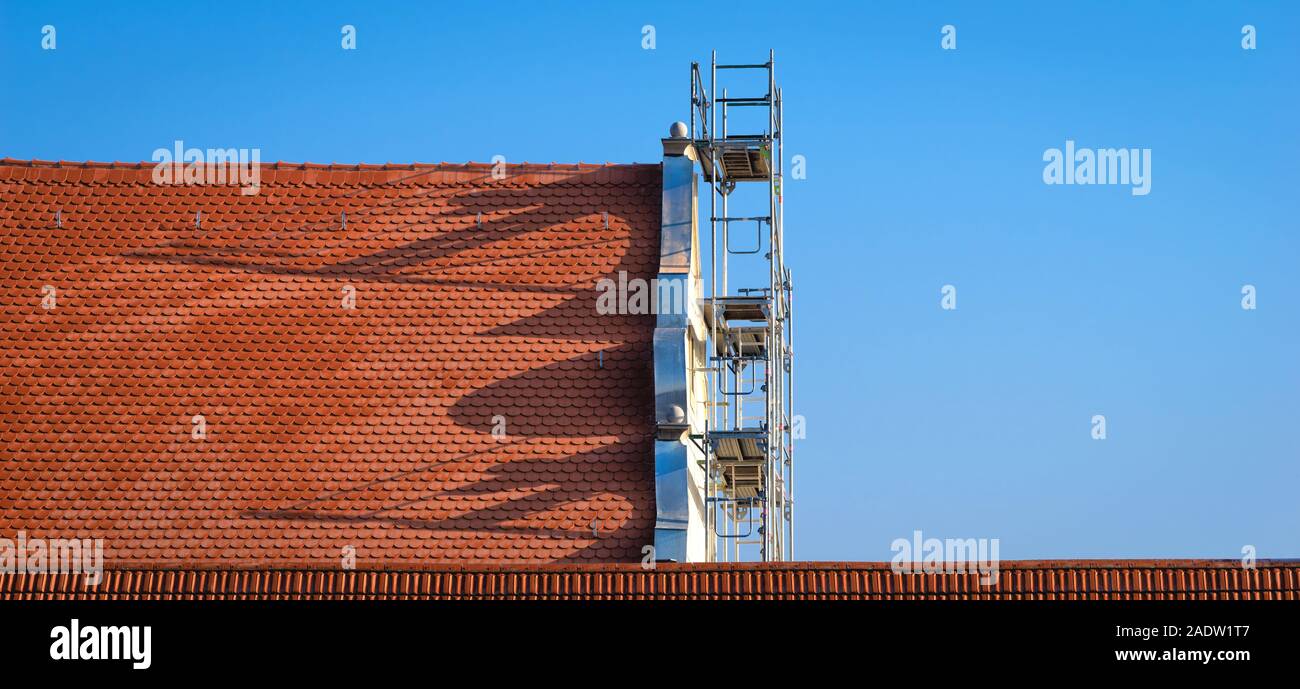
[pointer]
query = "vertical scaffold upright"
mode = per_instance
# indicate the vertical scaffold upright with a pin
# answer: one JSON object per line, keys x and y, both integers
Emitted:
{"x": 749, "y": 456}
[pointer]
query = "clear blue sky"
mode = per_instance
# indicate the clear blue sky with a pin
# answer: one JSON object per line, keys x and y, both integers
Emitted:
{"x": 924, "y": 169}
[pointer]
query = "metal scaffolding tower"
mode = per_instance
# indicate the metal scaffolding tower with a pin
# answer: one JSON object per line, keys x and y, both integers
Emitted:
{"x": 748, "y": 438}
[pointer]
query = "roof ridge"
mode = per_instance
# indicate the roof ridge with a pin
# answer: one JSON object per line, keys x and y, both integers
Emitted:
{"x": 351, "y": 167}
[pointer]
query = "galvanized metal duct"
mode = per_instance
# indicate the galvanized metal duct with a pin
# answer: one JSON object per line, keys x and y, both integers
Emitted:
{"x": 679, "y": 525}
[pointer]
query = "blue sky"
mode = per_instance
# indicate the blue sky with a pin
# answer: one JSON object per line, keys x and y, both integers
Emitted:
{"x": 924, "y": 169}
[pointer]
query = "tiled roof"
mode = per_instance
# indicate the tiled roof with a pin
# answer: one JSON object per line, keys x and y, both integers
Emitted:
{"x": 1023, "y": 580}
{"x": 327, "y": 427}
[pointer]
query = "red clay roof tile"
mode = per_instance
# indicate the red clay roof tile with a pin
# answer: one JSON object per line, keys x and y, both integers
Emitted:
{"x": 327, "y": 427}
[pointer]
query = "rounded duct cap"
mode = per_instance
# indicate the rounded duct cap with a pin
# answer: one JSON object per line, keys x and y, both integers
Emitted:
{"x": 678, "y": 130}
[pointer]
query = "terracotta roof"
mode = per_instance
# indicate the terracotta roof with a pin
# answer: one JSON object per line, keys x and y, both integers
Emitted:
{"x": 327, "y": 427}
{"x": 1023, "y": 580}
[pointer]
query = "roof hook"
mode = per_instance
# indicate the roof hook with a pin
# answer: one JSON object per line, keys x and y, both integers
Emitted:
{"x": 198, "y": 220}
{"x": 58, "y": 218}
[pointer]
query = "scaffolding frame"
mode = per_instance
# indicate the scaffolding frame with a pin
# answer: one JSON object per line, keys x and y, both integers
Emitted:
{"x": 748, "y": 458}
